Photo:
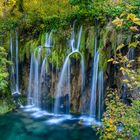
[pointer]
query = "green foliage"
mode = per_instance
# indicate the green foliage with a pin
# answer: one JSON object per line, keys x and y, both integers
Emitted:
{"x": 3, "y": 107}
{"x": 6, "y": 106}
{"x": 3, "y": 69}
{"x": 59, "y": 50}
{"x": 103, "y": 59}
{"x": 82, "y": 4}
{"x": 121, "y": 122}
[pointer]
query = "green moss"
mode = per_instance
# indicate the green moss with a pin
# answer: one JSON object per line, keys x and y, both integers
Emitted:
{"x": 90, "y": 40}
{"x": 103, "y": 59}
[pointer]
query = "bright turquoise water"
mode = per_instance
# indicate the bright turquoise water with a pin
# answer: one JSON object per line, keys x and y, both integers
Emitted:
{"x": 20, "y": 126}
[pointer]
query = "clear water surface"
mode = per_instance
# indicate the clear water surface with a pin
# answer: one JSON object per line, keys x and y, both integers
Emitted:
{"x": 21, "y": 126}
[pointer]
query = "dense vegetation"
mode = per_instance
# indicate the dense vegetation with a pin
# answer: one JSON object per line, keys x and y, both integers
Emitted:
{"x": 33, "y": 18}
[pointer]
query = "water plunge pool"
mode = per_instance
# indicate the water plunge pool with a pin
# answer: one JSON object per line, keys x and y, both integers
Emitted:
{"x": 22, "y": 126}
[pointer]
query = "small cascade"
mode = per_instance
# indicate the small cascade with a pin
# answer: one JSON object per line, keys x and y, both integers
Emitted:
{"x": 100, "y": 94}
{"x": 97, "y": 89}
{"x": 17, "y": 78}
{"x": 82, "y": 73}
{"x": 14, "y": 67}
{"x": 37, "y": 94}
{"x": 64, "y": 79}
{"x": 130, "y": 56}
{"x": 34, "y": 79}
{"x": 43, "y": 71}
{"x": 31, "y": 80}
{"x": 79, "y": 38}
{"x": 48, "y": 43}
{"x": 38, "y": 71}
{"x": 131, "y": 53}
{"x": 94, "y": 85}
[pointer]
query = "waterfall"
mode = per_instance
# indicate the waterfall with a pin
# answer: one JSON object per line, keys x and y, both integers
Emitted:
{"x": 131, "y": 53}
{"x": 38, "y": 70}
{"x": 31, "y": 80}
{"x": 12, "y": 78}
{"x": 82, "y": 73}
{"x": 39, "y": 78}
{"x": 79, "y": 38}
{"x": 97, "y": 89}
{"x": 14, "y": 67}
{"x": 36, "y": 97}
{"x": 17, "y": 78}
{"x": 43, "y": 71}
{"x": 68, "y": 89}
{"x": 100, "y": 94}
{"x": 64, "y": 79}
{"x": 48, "y": 43}
{"x": 94, "y": 85}
{"x": 130, "y": 56}
{"x": 35, "y": 78}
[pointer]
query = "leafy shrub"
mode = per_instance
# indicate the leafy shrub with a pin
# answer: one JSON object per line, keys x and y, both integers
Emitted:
{"x": 3, "y": 70}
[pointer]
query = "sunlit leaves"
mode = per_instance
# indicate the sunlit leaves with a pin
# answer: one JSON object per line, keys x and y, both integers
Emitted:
{"x": 11, "y": 2}
{"x": 121, "y": 122}
{"x": 134, "y": 44}
{"x": 125, "y": 81}
{"x": 3, "y": 69}
{"x": 118, "y": 22}
{"x": 110, "y": 60}
{"x": 131, "y": 6}
{"x": 45, "y": 8}
{"x": 82, "y": 4}
{"x": 134, "y": 19}
{"x": 120, "y": 47}
{"x": 134, "y": 28}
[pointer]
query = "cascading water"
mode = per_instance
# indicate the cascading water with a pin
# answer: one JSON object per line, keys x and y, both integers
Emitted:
{"x": 82, "y": 73}
{"x": 34, "y": 79}
{"x": 100, "y": 94}
{"x": 43, "y": 72}
{"x": 37, "y": 96}
{"x": 62, "y": 80}
{"x": 31, "y": 80}
{"x": 17, "y": 78}
{"x": 94, "y": 85}
{"x": 131, "y": 53}
{"x": 130, "y": 56}
{"x": 97, "y": 89}
{"x": 65, "y": 75}
{"x": 48, "y": 43}
{"x": 14, "y": 68}
{"x": 79, "y": 38}
{"x": 38, "y": 71}
{"x": 38, "y": 79}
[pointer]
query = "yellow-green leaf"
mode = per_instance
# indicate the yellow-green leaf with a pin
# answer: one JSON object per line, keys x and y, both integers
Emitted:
{"x": 134, "y": 44}
{"x": 126, "y": 81}
{"x": 120, "y": 47}
{"x": 118, "y": 22}
{"x": 110, "y": 60}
